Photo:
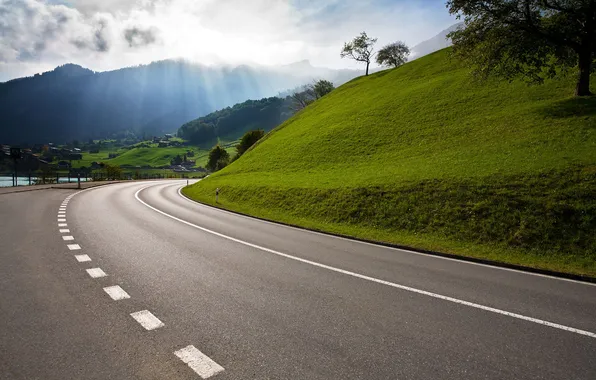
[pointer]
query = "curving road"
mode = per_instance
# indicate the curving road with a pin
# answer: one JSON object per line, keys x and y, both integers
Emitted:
{"x": 193, "y": 292}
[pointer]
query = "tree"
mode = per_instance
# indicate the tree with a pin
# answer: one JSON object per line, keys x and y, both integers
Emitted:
{"x": 113, "y": 172}
{"x": 248, "y": 140}
{"x": 359, "y": 49}
{"x": 176, "y": 160}
{"x": 302, "y": 98}
{"x": 310, "y": 92}
{"x": 395, "y": 54}
{"x": 534, "y": 39}
{"x": 321, "y": 88}
{"x": 218, "y": 158}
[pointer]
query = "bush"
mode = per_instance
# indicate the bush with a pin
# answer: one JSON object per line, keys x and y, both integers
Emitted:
{"x": 218, "y": 159}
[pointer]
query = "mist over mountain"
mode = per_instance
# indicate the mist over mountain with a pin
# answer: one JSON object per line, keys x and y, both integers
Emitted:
{"x": 72, "y": 102}
{"x": 438, "y": 42}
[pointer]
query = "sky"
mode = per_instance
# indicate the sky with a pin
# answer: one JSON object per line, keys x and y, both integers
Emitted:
{"x": 38, "y": 35}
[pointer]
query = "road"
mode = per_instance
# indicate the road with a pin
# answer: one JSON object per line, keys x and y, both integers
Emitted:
{"x": 196, "y": 292}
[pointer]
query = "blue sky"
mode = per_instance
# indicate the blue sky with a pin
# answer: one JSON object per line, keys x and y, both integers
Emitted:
{"x": 38, "y": 35}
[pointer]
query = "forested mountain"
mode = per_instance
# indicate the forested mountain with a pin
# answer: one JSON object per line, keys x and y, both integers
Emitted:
{"x": 72, "y": 102}
{"x": 233, "y": 122}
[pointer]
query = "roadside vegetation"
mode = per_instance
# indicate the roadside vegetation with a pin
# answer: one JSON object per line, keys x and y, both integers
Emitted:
{"x": 423, "y": 156}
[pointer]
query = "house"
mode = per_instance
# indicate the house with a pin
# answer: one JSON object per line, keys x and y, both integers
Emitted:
{"x": 95, "y": 165}
{"x": 112, "y": 155}
{"x": 163, "y": 144}
{"x": 167, "y": 136}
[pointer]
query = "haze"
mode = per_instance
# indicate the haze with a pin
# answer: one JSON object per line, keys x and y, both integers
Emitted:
{"x": 109, "y": 34}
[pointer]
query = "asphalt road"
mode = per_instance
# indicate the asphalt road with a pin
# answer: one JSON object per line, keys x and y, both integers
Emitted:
{"x": 229, "y": 297}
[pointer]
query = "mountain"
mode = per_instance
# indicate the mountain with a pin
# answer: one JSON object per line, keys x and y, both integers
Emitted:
{"x": 438, "y": 42}
{"x": 72, "y": 102}
{"x": 423, "y": 156}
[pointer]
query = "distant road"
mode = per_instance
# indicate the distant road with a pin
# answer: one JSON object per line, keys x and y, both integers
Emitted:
{"x": 134, "y": 281}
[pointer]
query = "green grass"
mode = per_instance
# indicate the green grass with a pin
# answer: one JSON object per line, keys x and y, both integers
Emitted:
{"x": 424, "y": 156}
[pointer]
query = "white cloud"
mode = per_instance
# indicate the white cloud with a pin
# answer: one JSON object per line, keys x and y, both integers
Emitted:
{"x": 38, "y": 35}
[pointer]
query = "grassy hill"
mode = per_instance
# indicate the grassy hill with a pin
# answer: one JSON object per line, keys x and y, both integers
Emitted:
{"x": 426, "y": 157}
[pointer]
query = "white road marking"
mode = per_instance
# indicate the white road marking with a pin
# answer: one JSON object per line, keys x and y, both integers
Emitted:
{"x": 62, "y": 225}
{"x": 63, "y": 208}
{"x": 461, "y": 261}
{"x": 74, "y": 247}
{"x": 68, "y": 238}
{"x": 61, "y": 212}
{"x": 116, "y": 292}
{"x": 83, "y": 258}
{"x": 64, "y": 231}
{"x": 199, "y": 362}
{"x": 96, "y": 272}
{"x": 372, "y": 279}
{"x": 147, "y": 320}
{"x": 61, "y": 220}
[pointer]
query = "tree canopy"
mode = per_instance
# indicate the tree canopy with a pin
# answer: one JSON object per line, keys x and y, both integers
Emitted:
{"x": 534, "y": 39}
{"x": 218, "y": 159}
{"x": 395, "y": 54}
{"x": 249, "y": 139}
{"x": 360, "y": 49}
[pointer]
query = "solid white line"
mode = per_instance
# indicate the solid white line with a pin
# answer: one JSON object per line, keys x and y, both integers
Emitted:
{"x": 147, "y": 320}
{"x": 61, "y": 220}
{"x": 372, "y": 279}
{"x": 73, "y": 247}
{"x": 62, "y": 225}
{"x": 67, "y": 238}
{"x": 83, "y": 258}
{"x": 116, "y": 292}
{"x": 64, "y": 231}
{"x": 96, "y": 272}
{"x": 426, "y": 255}
{"x": 199, "y": 362}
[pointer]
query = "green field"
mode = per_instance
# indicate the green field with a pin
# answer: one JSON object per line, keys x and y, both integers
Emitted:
{"x": 152, "y": 156}
{"x": 424, "y": 156}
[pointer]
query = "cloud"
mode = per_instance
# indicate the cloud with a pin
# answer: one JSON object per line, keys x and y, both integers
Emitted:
{"x": 137, "y": 37}
{"x": 109, "y": 34}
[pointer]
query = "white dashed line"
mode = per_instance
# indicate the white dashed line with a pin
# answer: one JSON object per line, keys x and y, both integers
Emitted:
{"x": 64, "y": 231}
{"x": 62, "y": 225}
{"x": 61, "y": 212}
{"x": 199, "y": 362}
{"x": 147, "y": 320}
{"x": 82, "y": 258}
{"x": 372, "y": 279}
{"x": 68, "y": 238}
{"x": 116, "y": 292}
{"x": 62, "y": 220}
{"x": 74, "y": 247}
{"x": 96, "y": 272}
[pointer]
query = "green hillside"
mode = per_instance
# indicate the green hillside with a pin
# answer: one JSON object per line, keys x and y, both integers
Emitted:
{"x": 424, "y": 156}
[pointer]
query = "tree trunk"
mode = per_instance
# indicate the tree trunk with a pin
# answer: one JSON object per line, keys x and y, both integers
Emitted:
{"x": 585, "y": 67}
{"x": 367, "y": 64}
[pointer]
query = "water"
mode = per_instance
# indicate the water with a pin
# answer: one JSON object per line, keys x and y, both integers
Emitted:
{"x": 24, "y": 181}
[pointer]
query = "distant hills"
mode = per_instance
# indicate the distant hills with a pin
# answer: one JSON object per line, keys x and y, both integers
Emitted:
{"x": 438, "y": 42}
{"x": 72, "y": 102}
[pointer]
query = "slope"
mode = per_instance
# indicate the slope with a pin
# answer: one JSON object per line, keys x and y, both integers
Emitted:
{"x": 425, "y": 157}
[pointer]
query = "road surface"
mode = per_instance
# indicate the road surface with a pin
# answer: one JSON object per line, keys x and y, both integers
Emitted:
{"x": 134, "y": 281}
